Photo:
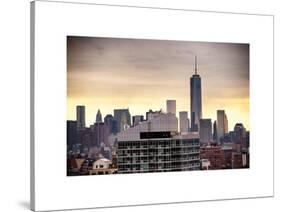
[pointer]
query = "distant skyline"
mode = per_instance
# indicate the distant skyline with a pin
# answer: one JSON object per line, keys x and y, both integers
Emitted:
{"x": 113, "y": 73}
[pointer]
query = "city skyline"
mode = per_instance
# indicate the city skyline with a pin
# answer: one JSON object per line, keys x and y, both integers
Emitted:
{"x": 132, "y": 116}
{"x": 109, "y": 73}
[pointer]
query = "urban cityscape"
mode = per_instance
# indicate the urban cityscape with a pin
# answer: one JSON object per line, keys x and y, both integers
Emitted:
{"x": 162, "y": 140}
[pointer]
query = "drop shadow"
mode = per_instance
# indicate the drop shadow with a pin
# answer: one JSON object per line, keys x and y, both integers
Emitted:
{"x": 24, "y": 204}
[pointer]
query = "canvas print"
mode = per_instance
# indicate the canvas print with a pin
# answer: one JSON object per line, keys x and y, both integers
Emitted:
{"x": 142, "y": 106}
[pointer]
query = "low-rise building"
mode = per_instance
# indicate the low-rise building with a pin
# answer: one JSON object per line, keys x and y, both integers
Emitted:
{"x": 102, "y": 166}
{"x": 74, "y": 165}
{"x": 215, "y": 155}
{"x": 205, "y": 164}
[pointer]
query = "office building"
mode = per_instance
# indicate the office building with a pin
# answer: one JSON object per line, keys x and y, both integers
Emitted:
{"x": 158, "y": 152}
{"x": 247, "y": 139}
{"x": 195, "y": 100}
{"x": 205, "y": 131}
{"x": 123, "y": 119}
{"x": 171, "y": 106}
{"x": 80, "y": 117}
{"x": 151, "y": 114}
{"x": 111, "y": 123}
{"x": 240, "y": 136}
{"x": 137, "y": 119}
{"x": 84, "y": 137}
{"x": 98, "y": 117}
{"x": 100, "y": 134}
{"x": 161, "y": 122}
{"x": 215, "y": 132}
{"x": 155, "y": 146}
{"x": 222, "y": 125}
{"x": 184, "y": 122}
{"x": 71, "y": 136}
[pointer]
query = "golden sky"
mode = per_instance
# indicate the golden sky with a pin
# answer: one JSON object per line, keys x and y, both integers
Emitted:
{"x": 113, "y": 73}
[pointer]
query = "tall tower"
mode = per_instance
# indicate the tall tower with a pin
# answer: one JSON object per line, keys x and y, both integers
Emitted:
{"x": 123, "y": 118}
{"x": 80, "y": 117}
{"x": 171, "y": 106}
{"x": 205, "y": 131}
{"x": 215, "y": 132}
{"x": 222, "y": 124}
{"x": 195, "y": 99}
{"x": 184, "y": 121}
{"x": 98, "y": 117}
{"x": 111, "y": 123}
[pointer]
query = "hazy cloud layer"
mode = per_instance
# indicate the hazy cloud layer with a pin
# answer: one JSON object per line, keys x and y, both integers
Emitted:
{"x": 134, "y": 73}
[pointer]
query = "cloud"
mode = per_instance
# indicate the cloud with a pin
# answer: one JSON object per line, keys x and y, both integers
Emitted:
{"x": 154, "y": 70}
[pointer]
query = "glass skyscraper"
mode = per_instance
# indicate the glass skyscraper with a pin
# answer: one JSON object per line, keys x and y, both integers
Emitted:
{"x": 123, "y": 118}
{"x": 80, "y": 117}
{"x": 222, "y": 124}
{"x": 195, "y": 100}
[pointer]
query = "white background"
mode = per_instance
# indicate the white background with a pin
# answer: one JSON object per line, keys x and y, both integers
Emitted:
{"x": 112, "y": 190}
{"x": 15, "y": 111}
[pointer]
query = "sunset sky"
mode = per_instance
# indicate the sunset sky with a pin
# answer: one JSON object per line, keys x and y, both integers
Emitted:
{"x": 112, "y": 73}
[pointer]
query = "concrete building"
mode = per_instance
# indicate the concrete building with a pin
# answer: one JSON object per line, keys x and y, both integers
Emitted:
{"x": 80, "y": 117}
{"x": 205, "y": 131}
{"x": 184, "y": 122}
{"x": 155, "y": 146}
{"x": 195, "y": 100}
{"x": 123, "y": 118}
{"x": 171, "y": 106}
{"x": 222, "y": 125}
{"x": 158, "y": 152}
{"x": 151, "y": 114}
{"x": 137, "y": 119}
{"x": 159, "y": 123}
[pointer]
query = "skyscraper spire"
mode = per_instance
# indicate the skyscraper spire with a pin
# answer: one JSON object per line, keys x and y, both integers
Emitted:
{"x": 195, "y": 99}
{"x": 98, "y": 117}
{"x": 195, "y": 65}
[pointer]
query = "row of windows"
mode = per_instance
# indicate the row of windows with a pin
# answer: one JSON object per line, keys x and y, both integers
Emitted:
{"x": 148, "y": 147}
{"x": 165, "y": 151}
{"x": 148, "y": 156}
{"x": 184, "y": 157}
{"x": 141, "y": 146}
{"x": 183, "y": 167}
{"x": 158, "y": 142}
{"x": 162, "y": 163}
